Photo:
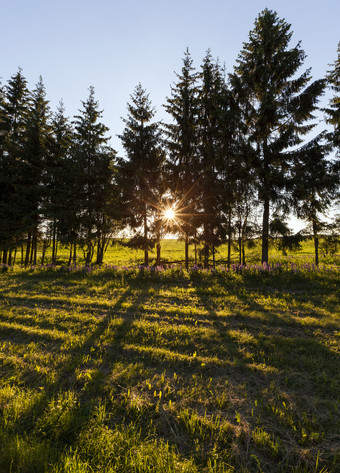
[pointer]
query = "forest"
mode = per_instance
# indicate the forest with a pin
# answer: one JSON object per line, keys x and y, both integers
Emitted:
{"x": 236, "y": 157}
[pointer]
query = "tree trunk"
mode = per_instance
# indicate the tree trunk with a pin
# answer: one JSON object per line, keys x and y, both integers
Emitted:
{"x": 265, "y": 231}
{"x": 35, "y": 245}
{"x": 4, "y": 257}
{"x": 98, "y": 251}
{"x": 15, "y": 255}
{"x": 206, "y": 246}
{"x": 146, "y": 251}
{"x": 28, "y": 249}
{"x": 239, "y": 247}
{"x": 213, "y": 254}
{"x": 75, "y": 253}
{"x": 316, "y": 242}
{"x": 70, "y": 256}
{"x": 54, "y": 243}
{"x": 32, "y": 250}
{"x": 158, "y": 257}
{"x": 45, "y": 246}
{"x": 186, "y": 251}
{"x": 243, "y": 236}
{"x": 229, "y": 239}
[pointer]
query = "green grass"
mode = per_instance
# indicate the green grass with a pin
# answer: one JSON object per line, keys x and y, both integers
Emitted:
{"x": 173, "y": 251}
{"x": 128, "y": 371}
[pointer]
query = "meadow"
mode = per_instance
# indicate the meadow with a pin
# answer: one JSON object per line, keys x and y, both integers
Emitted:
{"x": 121, "y": 369}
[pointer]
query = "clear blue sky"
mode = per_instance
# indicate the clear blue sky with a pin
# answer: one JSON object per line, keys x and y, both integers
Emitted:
{"x": 114, "y": 44}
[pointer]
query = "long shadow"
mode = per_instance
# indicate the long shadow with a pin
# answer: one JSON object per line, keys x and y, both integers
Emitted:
{"x": 54, "y": 303}
{"x": 90, "y": 393}
{"x": 76, "y": 354}
{"x": 235, "y": 367}
{"x": 279, "y": 339}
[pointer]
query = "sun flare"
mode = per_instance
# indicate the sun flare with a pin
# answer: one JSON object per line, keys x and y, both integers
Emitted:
{"x": 169, "y": 214}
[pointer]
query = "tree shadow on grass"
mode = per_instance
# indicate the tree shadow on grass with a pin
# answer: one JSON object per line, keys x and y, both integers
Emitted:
{"x": 78, "y": 355}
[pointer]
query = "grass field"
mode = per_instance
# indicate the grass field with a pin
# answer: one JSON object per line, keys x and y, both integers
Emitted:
{"x": 173, "y": 251}
{"x": 172, "y": 371}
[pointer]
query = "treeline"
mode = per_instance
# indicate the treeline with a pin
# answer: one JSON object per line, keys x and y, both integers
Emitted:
{"x": 234, "y": 148}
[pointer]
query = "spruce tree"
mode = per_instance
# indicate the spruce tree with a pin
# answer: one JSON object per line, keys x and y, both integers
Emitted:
{"x": 140, "y": 174}
{"x": 314, "y": 182}
{"x": 58, "y": 179}
{"x": 182, "y": 143}
{"x": 14, "y": 109}
{"x": 38, "y": 131}
{"x": 234, "y": 161}
{"x": 210, "y": 184}
{"x": 92, "y": 158}
{"x": 277, "y": 105}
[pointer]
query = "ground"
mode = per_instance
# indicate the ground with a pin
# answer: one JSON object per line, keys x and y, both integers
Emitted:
{"x": 123, "y": 370}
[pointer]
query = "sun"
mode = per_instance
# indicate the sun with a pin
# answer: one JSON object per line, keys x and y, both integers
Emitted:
{"x": 169, "y": 214}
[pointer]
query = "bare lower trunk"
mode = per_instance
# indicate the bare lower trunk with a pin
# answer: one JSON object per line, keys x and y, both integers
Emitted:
{"x": 146, "y": 251}
{"x": 35, "y": 244}
{"x": 15, "y": 255}
{"x": 70, "y": 256}
{"x": 265, "y": 231}
{"x": 316, "y": 242}
{"x": 186, "y": 251}
{"x": 239, "y": 248}
{"x": 54, "y": 243}
{"x": 28, "y": 249}
{"x": 229, "y": 239}
{"x": 213, "y": 255}
{"x": 158, "y": 257}
{"x": 75, "y": 253}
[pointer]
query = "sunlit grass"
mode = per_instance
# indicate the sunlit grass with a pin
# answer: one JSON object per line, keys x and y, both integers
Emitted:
{"x": 170, "y": 371}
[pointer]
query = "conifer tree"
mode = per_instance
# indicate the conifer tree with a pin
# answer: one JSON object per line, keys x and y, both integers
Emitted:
{"x": 234, "y": 156}
{"x": 93, "y": 161}
{"x": 314, "y": 182}
{"x": 210, "y": 185}
{"x": 38, "y": 131}
{"x": 277, "y": 105}
{"x": 182, "y": 143}
{"x": 14, "y": 109}
{"x": 140, "y": 174}
{"x": 58, "y": 178}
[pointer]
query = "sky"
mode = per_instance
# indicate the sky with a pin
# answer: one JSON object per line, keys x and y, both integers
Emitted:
{"x": 115, "y": 44}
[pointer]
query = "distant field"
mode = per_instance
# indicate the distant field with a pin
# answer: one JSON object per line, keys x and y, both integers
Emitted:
{"x": 127, "y": 371}
{"x": 173, "y": 251}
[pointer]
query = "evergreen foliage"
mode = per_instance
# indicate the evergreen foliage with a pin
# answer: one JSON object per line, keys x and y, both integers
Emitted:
{"x": 59, "y": 183}
{"x": 140, "y": 179}
{"x": 92, "y": 161}
{"x": 14, "y": 111}
{"x": 333, "y": 112}
{"x": 314, "y": 183}
{"x": 277, "y": 105}
{"x": 35, "y": 154}
{"x": 182, "y": 144}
